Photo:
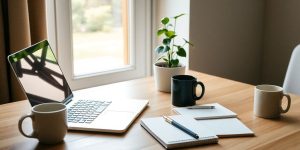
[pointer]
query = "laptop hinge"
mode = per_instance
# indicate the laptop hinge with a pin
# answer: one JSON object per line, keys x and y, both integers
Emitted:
{"x": 68, "y": 99}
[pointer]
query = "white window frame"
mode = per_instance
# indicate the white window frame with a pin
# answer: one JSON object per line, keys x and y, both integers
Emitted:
{"x": 59, "y": 22}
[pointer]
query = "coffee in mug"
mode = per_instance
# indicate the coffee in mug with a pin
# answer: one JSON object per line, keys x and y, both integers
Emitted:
{"x": 49, "y": 123}
{"x": 183, "y": 90}
{"x": 268, "y": 101}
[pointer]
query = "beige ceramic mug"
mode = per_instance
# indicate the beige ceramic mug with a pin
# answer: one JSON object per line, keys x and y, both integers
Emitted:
{"x": 268, "y": 101}
{"x": 49, "y": 123}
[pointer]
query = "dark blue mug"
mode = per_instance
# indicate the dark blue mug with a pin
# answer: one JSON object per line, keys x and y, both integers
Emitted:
{"x": 183, "y": 90}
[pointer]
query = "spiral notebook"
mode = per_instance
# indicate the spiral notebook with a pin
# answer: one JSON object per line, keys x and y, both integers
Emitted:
{"x": 172, "y": 137}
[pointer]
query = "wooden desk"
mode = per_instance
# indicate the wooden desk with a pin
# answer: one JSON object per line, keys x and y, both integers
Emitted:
{"x": 273, "y": 134}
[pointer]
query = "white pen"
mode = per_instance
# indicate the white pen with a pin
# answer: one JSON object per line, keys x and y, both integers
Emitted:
{"x": 201, "y": 107}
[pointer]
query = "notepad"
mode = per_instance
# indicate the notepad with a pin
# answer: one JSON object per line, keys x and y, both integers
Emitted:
{"x": 218, "y": 112}
{"x": 220, "y": 120}
{"x": 228, "y": 127}
{"x": 172, "y": 137}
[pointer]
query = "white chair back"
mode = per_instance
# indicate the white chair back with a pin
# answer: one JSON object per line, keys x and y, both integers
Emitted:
{"x": 291, "y": 82}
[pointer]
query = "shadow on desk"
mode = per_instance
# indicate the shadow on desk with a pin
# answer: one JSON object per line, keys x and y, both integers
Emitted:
{"x": 286, "y": 119}
{"x": 34, "y": 144}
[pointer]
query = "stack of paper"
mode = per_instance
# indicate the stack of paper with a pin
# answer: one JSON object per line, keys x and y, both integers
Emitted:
{"x": 220, "y": 120}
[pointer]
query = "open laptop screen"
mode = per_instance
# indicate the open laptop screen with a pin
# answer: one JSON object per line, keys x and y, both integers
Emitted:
{"x": 40, "y": 75}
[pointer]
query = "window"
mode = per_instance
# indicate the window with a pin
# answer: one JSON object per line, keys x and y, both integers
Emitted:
{"x": 100, "y": 35}
{"x": 100, "y": 41}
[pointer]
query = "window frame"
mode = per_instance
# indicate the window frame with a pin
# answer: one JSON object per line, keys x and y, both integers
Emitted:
{"x": 140, "y": 50}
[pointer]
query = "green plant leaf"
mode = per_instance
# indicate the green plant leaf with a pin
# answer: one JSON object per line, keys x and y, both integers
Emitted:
{"x": 170, "y": 33}
{"x": 161, "y": 31}
{"x": 174, "y": 62}
{"x": 178, "y": 16}
{"x": 159, "y": 49}
{"x": 165, "y": 20}
{"x": 181, "y": 52}
{"x": 166, "y": 60}
{"x": 186, "y": 41}
{"x": 166, "y": 49}
{"x": 166, "y": 41}
{"x": 172, "y": 36}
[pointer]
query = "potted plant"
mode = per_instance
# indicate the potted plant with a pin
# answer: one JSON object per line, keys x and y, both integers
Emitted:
{"x": 168, "y": 64}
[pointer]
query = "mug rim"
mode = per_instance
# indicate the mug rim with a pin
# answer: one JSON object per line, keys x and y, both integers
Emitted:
{"x": 48, "y": 112}
{"x": 261, "y": 86}
{"x": 177, "y": 77}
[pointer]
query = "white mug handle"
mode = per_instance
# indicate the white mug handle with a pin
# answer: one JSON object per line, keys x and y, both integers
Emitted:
{"x": 32, "y": 135}
{"x": 288, "y": 105}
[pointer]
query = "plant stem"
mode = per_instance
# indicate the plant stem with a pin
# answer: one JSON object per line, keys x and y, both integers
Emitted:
{"x": 172, "y": 48}
{"x": 175, "y": 34}
{"x": 169, "y": 60}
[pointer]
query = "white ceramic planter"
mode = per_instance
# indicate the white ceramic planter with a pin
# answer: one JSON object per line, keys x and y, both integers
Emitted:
{"x": 163, "y": 75}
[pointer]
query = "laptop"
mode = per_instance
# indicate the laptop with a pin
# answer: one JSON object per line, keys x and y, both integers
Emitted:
{"x": 42, "y": 80}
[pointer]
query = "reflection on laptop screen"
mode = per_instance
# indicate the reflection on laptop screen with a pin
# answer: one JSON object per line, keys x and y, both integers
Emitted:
{"x": 40, "y": 75}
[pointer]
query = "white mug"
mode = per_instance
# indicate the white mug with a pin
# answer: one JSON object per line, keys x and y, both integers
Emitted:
{"x": 49, "y": 123}
{"x": 268, "y": 101}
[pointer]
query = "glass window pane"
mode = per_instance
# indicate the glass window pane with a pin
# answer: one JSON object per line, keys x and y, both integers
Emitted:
{"x": 100, "y": 31}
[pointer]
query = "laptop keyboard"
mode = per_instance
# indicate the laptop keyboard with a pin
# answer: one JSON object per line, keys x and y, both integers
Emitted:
{"x": 86, "y": 111}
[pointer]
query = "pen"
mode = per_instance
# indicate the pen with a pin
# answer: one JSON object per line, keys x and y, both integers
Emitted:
{"x": 201, "y": 107}
{"x": 182, "y": 128}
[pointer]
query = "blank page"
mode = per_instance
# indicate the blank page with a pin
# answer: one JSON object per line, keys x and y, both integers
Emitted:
{"x": 229, "y": 127}
{"x": 218, "y": 112}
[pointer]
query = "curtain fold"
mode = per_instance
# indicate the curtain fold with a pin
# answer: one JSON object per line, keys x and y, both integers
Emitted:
{"x": 23, "y": 23}
{"x": 4, "y": 89}
{"x": 37, "y": 19}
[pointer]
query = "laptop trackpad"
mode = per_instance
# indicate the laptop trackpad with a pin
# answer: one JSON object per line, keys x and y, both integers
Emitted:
{"x": 114, "y": 120}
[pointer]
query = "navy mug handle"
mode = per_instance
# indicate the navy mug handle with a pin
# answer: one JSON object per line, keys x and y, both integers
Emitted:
{"x": 203, "y": 90}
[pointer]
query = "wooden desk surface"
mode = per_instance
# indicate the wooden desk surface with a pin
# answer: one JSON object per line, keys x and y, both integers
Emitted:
{"x": 282, "y": 133}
